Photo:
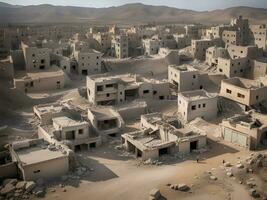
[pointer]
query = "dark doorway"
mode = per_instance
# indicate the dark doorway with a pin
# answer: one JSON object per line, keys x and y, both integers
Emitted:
{"x": 77, "y": 148}
{"x": 139, "y": 153}
{"x": 70, "y": 135}
{"x": 193, "y": 145}
{"x": 264, "y": 138}
{"x": 112, "y": 135}
{"x": 163, "y": 151}
{"x": 58, "y": 84}
{"x": 92, "y": 145}
{"x": 42, "y": 67}
{"x": 84, "y": 72}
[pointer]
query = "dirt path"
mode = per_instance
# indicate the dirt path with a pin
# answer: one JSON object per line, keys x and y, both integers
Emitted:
{"x": 117, "y": 177}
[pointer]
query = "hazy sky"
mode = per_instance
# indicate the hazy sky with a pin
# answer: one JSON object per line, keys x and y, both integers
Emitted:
{"x": 187, "y": 4}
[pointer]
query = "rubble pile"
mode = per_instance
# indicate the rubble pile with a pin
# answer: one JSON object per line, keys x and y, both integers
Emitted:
{"x": 16, "y": 190}
{"x": 248, "y": 172}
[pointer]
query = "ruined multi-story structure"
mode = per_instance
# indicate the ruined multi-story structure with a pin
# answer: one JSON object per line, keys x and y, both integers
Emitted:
{"x": 199, "y": 47}
{"x": 162, "y": 135}
{"x": 89, "y": 61}
{"x": 213, "y": 53}
{"x": 186, "y": 77}
{"x": 151, "y": 46}
{"x": 120, "y": 46}
{"x": 111, "y": 90}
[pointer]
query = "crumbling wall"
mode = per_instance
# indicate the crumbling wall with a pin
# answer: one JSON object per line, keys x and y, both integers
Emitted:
{"x": 8, "y": 170}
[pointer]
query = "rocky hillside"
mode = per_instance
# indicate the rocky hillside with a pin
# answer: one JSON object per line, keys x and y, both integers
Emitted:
{"x": 129, "y": 13}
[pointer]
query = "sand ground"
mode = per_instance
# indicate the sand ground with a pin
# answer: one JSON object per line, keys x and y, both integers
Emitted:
{"x": 117, "y": 175}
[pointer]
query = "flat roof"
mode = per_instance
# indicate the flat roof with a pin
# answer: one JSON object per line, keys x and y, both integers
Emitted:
{"x": 66, "y": 121}
{"x": 183, "y": 68}
{"x": 55, "y": 108}
{"x": 196, "y": 95}
{"x": 147, "y": 141}
{"x": 102, "y": 112}
{"x": 53, "y": 71}
{"x": 244, "y": 83}
{"x": 38, "y": 153}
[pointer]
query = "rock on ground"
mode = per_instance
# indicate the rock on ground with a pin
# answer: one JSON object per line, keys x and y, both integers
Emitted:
{"x": 155, "y": 194}
{"x": 183, "y": 187}
{"x": 213, "y": 178}
{"x": 30, "y": 186}
{"x": 9, "y": 188}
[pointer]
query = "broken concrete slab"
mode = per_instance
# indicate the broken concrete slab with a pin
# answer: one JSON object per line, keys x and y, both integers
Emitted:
{"x": 21, "y": 185}
{"x": 154, "y": 194}
{"x": 30, "y": 186}
{"x": 9, "y": 188}
{"x": 11, "y": 181}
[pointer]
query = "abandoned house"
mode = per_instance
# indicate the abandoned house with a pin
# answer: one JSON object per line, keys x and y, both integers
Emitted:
{"x": 73, "y": 133}
{"x": 213, "y": 53}
{"x": 105, "y": 121}
{"x": 120, "y": 46}
{"x": 89, "y": 61}
{"x": 151, "y": 46}
{"x": 197, "y": 103}
{"x": 199, "y": 47}
{"x": 245, "y": 130}
{"x": 52, "y": 78}
{"x": 46, "y": 112}
{"x": 243, "y": 91}
{"x": 37, "y": 159}
{"x": 35, "y": 58}
{"x": 186, "y": 77}
{"x": 162, "y": 135}
{"x": 111, "y": 90}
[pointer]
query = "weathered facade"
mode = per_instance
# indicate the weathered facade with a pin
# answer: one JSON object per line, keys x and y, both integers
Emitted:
{"x": 198, "y": 103}
{"x": 244, "y": 91}
{"x": 162, "y": 135}
{"x": 112, "y": 90}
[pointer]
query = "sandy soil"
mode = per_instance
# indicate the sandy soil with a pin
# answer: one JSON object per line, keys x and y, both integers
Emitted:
{"x": 117, "y": 175}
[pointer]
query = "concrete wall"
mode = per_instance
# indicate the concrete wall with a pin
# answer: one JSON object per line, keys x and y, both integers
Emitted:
{"x": 6, "y": 69}
{"x": 241, "y": 95}
{"x": 199, "y": 47}
{"x": 205, "y": 108}
{"x": 8, "y": 170}
{"x": 84, "y": 127}
{"x": 231, "y": 37}
{"x": 233, "y": 67}
{"x": 186, "y": 80}
{"x": 258, "y": 69}
{"x": 36, "y": 58}
{"x": 121, "y": 47}
{"x": 150, "y": 46}
{"x": 49, "y": 169}
{"x": 90, "y": 62}
{"x": 251, "y": 52}
{"x": 40, "y": 84}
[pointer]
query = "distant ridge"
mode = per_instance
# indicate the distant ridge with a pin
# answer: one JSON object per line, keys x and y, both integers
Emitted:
{"x": 129, "y": 13}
